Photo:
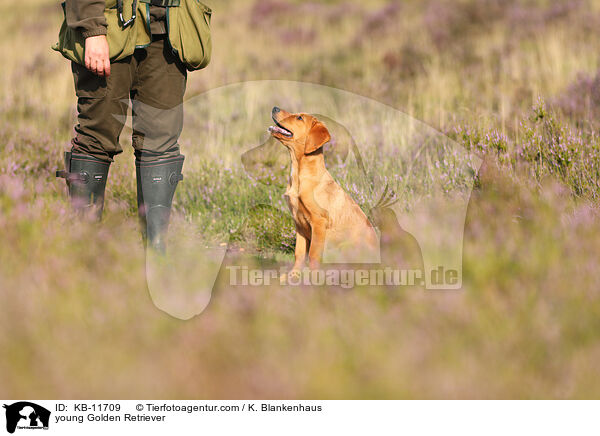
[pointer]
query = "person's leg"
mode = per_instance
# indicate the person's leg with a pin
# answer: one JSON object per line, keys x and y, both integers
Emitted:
{"x": 157, "y": 96}
{"x": 157, "y": 100}
{"x": 101, "y": 107}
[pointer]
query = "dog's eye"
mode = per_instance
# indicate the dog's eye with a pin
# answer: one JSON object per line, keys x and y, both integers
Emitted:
{"x": 299, "y": 117}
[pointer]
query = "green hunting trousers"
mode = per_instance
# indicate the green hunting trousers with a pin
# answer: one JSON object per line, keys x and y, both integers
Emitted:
{"x": 154, "y": 80}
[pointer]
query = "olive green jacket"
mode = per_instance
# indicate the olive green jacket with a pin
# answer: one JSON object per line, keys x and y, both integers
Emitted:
{"x": 88, "y": 17}
{"x": 187, "y": 27}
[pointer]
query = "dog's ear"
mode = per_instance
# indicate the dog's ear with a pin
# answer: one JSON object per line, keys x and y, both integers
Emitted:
{"x": 317, "y": 137}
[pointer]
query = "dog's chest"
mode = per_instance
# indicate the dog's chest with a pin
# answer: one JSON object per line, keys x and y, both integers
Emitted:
{"x": 299, "y": 213}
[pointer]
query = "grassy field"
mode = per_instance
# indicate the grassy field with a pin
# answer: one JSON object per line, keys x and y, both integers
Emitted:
{"x": 514, "y": 82}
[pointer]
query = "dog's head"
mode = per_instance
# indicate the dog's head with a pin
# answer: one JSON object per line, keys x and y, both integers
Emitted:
{"x": 302, "y": 133}
{"x": 269, "y": 162}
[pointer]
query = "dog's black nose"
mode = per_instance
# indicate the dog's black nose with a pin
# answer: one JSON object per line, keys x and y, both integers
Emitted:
{"x": 275, "y": 110}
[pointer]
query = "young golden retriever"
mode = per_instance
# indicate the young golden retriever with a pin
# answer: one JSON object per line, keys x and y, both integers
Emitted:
{"x": 327, "y": 219}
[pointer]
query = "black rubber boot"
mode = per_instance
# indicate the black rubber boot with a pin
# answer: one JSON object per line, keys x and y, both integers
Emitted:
{"x": 156, "y": 184}
{"x": 86, "y": 179}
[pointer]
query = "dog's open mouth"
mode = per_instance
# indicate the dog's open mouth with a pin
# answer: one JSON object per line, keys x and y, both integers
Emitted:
{"x": 279, "y": 129}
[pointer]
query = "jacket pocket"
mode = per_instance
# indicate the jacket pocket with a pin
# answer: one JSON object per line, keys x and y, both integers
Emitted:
{"x": 189, "y": 33}
{"x": 71, "y": 43}
{"x": 121, "y": 42}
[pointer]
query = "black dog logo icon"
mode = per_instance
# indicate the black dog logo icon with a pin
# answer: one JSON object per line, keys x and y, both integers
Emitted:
{"x": 26, "y": 415}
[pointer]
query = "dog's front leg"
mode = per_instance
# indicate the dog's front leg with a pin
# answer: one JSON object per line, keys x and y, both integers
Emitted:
{"x": 300, "y": 252}
{"x": 317, "y": 242}
{"x": 302, "y": 245}
{"x": 319, "y": 222}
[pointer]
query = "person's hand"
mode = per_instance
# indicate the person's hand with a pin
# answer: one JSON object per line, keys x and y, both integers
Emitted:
{"x": 96, "y": 55}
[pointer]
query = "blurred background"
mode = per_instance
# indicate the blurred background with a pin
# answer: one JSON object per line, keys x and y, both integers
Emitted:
{"x": 514, "y": 81}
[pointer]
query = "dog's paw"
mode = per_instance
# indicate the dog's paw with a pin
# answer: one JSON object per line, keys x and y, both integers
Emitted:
{"x": 293, "y": 276}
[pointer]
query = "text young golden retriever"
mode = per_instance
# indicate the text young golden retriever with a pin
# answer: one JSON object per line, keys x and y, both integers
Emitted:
{"x": 326, "y": 218}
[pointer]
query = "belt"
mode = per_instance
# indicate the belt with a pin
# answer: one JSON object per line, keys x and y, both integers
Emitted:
{"x": 162, "y": 3}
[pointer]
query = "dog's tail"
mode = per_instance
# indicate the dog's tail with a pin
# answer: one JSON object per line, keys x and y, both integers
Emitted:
{"x": 382, "y": 207}
{"x": 388, "y": 198}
